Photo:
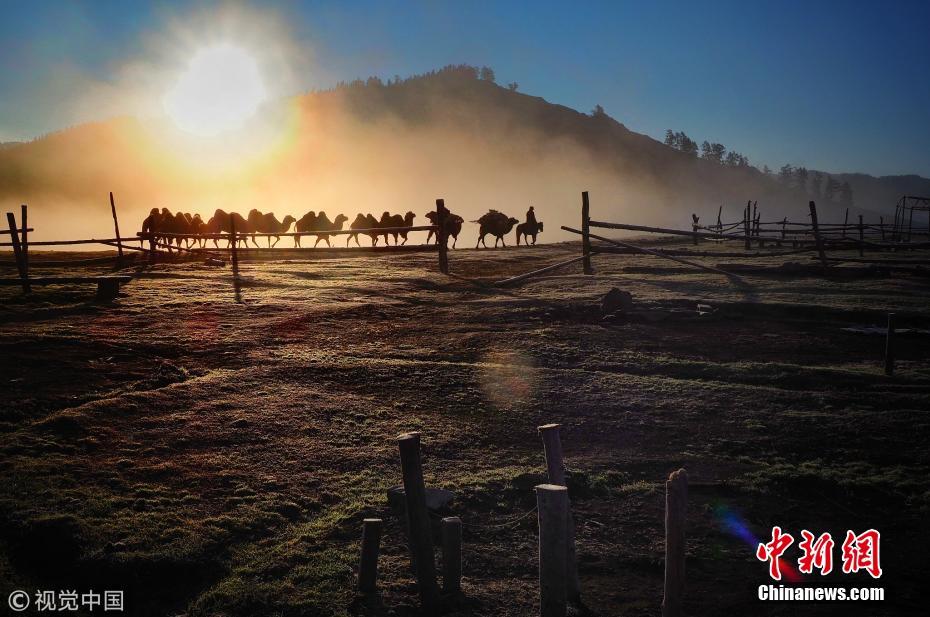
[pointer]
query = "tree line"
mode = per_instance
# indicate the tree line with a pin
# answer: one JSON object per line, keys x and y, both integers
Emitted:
{"x": 815, "y": 184}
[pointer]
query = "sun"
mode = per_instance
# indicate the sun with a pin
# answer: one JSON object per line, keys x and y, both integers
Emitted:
{"x": 220, "y": 89}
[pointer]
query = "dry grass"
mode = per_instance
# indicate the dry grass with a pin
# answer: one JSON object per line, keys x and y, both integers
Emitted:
{"x": 217, "y": 457}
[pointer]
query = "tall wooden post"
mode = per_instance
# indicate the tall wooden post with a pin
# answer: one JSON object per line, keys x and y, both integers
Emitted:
{"x": 817, "y": 238}
{"x": 24, "y": 221}
{"x": 861, "y": 236}
{"x": 586, "y": 233}
{"x": 442, "y": 235}
{"x": 719, "y": 222}
{"x": 845, "y": 221}
{"x": 676, "y": 501}
{"x": 18, "y": 252}
{"x": 421, "y": 539}
{"x": 452, "y": 554}
{"x": 552, "y": 507}
{"x": 889, "y": 346}
{"x": 368, "y": 563}
{"x": 746, "y": 226}
{"x": 119, "y": 241}
{"x": 694, "y": 226}
{"x": 152, "y": 247}
{"x": 234, "y": 242}
{"x": 555, "y": 466}
{"x": 881, "y": 226}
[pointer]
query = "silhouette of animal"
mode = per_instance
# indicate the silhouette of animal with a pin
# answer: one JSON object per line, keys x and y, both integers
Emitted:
{"x": 304, "y": 224}
{"x": 528, "y": 229}
{"x": 396, "y": 220}
{"x": 361, "y": 222}
{"x": 269, "y": 224}
{"x": 150, "y": 224}
{"x": 453, "y": 226}
{"x": 197, "y": 227}
{"x": 323, "y": 224}
{"x": 220, "y": 222}
{"x": 372, "y": 223}
{"x": 495, "y": 223}
{"x": 386, "y": 222}
{"x": 255, "y": 220}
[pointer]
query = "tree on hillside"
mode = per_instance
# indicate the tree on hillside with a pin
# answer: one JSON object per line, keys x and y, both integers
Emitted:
{"x": 831, "y": 189}
{"x": 816, "y": 185}
{"x": 785, "y": 174}
{"x": 735, "y": 159}
{"x": 512, "y": 86}
{"x": 767, "y": 170}
{"x": 713, "y": 151}
{"x": 598, "y": 112}
{"x": 846, "y": 195}
{"x": 800, "y": 178}
{"x": 680, "y": 141}
{"x": 487, "y": 74}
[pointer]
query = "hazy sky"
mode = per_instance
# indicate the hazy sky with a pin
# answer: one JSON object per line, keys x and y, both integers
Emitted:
{"x": 837, "y": 86}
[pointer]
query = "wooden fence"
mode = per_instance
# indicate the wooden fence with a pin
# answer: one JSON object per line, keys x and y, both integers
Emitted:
{"x": 160, "y": 243}
{"x": 559, "y": 584}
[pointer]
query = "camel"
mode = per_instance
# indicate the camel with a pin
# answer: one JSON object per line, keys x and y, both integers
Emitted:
{"x": 360, "y": 222}
{"x": 372, "y": 223}
{"x": 220, "y": 222}
{"x": 323, "y": 224}
{"x": 524, "y": 230}
{"x": 269, "y": 224}
{"x": 386, "y": 222}
{"x": 197, "y": 227}
{"x": 151, "y": 224}
{"x": 306, "y": 223}
{"x": 255, "y": 219}
{"x": 497, "y": 224}
{"x": 453, "y": 226}
{"x": 396, "y": 220}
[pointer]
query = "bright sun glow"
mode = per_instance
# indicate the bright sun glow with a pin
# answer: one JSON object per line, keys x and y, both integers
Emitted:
{"x": 220, "y": 89}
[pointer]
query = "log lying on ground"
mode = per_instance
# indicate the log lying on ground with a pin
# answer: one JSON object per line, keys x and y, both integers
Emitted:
{"x": 652, "y": 252}
{"x": 523, "y": 277}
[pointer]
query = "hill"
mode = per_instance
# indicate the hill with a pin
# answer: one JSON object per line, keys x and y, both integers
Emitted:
{"x": 375, "y": 146}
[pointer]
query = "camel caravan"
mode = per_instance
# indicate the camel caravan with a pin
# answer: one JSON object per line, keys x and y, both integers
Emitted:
{"x": 185, "y": 230}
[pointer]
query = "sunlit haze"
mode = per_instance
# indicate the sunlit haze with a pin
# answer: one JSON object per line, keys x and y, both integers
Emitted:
{"x": 217, "y": 91}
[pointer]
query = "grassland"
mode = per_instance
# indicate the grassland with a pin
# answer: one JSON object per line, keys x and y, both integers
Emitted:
{"x": 215, "y": 457}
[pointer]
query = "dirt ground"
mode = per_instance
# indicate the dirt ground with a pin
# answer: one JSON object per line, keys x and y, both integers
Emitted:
{"x": 215, "y": 455}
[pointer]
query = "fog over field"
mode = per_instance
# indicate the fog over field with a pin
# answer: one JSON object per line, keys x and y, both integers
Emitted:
{"x": 397, "y": 146}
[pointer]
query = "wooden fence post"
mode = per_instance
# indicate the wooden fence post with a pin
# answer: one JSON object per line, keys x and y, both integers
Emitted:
{"x": 442, "y": 235}
{"x": 861, "y": 235}
{"x": 719, "y": 222}
{"x": 746, "y": 226}
{"x": 152, "y": 247}
{"x": 119, "y": 241}
{"x": 585, "y": 233}
{"x": 18, "y": 252}
{"x": 817, "y": 238}
{"x": 368, "y": 563}
{"x": 24, "y": 221}
{"x": 421, "y": 538}
{"x": 881, "y": 226}
{"x": 694, "y": 226}
{"x": 555, "y": 466}
{"x": 235, "y": 253}
{"x": 676, "y": 502}
{"x": 451, "y": 554}
{"x": 845, "y": 221}
{"x": 552, "y": 506}
{"x": 889, "y": 346}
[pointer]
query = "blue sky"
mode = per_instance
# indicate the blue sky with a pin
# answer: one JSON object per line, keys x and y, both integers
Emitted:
{"x": 838, "y": 86}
